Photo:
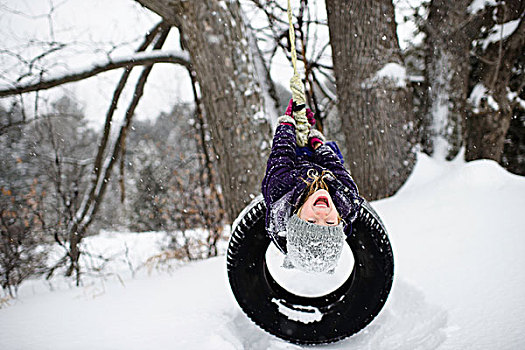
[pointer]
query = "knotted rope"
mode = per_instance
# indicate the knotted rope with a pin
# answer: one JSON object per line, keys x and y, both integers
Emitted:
{"x": 296, "y": 85}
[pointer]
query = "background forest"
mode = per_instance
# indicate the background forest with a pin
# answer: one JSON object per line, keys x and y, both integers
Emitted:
{"x": 387, "y": 80}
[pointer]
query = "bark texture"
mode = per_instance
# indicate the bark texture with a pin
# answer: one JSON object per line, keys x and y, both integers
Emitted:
{"x": 376, "y": 114}
{"x": 216, "y": 36}
{"x": 446, "y": 76}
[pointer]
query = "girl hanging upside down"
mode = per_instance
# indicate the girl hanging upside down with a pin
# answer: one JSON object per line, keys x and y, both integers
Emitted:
{"x": 311, "y": 199}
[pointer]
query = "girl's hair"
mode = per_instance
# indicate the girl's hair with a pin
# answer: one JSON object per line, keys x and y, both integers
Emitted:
{"x": 314, "y": 183}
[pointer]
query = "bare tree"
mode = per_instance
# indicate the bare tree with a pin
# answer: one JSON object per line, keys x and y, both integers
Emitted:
{"x": 234, "y": 104}
{"x": 373, "y": 101}
{"x": 21, "y": 232}
{"x": 106, "y": 158}
{"x": 461, "y": 52}
{"x": 81, "y": 213}
{"x": 43, "y": 172}
{"x": 313, "y": 50}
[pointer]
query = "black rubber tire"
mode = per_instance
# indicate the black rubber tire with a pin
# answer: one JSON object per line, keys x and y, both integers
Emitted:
{"x": 345, "y": 311}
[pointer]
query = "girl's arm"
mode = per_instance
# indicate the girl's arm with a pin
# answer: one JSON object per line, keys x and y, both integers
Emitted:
{"x": 278, "y": 178}
{"x": 326, "y": 157}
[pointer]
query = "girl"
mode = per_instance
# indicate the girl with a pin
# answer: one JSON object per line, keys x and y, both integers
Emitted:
{"x": 311, "y": 199}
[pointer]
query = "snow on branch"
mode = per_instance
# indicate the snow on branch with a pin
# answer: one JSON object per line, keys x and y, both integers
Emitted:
{"x": 479, "y": 5}
{"x": 137, "y": 59}
{"x": 480, "y": 95}
{"x": 515, "y": 98}
{"x": 501, "y": 32}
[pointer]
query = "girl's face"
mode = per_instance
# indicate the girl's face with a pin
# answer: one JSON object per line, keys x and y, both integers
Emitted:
{"x": 319, "y": 209}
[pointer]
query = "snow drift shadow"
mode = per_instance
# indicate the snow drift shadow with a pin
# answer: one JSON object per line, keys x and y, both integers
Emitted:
{"x": 407, "y": 322}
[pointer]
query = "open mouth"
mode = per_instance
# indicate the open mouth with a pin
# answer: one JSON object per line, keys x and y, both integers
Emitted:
{"x": 321, "y": 202}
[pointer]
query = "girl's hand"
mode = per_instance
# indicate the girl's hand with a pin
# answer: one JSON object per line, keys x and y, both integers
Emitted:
{"x": 315, "y": 138}
{"x": 288, "y": 118}
{"x": 309, "y": 114}
{"x": 315, "y": 145}
{"x": 289, "y": 109}
{"x": 311, "y": 117}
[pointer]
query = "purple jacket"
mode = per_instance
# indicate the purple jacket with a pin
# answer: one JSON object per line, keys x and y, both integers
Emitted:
{"x": 282, "y": 186}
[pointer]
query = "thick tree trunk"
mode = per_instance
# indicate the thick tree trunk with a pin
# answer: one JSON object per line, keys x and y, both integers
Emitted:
{"x": 376, "y": 110}
{"x": 215, "y": 35}
{"x": 446, "y": 76}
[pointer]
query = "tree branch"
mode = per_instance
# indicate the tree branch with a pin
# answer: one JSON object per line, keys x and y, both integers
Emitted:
{"x": 97, "y": 168}
{"x": 139, "y": 59}
{"x": 104, "y": 176}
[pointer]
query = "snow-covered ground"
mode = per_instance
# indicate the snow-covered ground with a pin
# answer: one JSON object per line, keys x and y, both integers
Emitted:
{"x": 458, "y": 234}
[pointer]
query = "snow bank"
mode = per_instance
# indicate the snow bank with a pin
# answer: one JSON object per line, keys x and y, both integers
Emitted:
{"x": 457, "y": 230}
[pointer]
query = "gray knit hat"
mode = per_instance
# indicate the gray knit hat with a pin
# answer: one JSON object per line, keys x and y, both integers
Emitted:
{"x": 311, "y": 247}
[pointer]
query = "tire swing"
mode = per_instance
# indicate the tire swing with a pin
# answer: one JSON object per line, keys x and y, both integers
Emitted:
{"x": 318, "y": 319}
{"x": 329, "y": 318}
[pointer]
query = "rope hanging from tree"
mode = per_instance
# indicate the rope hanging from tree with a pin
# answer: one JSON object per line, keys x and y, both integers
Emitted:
{"x": 297, "y": 87}
{"x": 326, "y": 318}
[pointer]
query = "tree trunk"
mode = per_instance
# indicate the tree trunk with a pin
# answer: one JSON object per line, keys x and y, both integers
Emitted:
{"x": 215, "y": 35}
{"x": 488, "y": 123}
{"x": 451, "y": 31}
{"x": 485, "y": 135}
{"x": 513, "y": 153}
{"x": 446, "y": 76}
{"x": 376, "y": 110}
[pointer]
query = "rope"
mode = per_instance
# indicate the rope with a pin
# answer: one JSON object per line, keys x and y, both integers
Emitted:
{"x": 296, "y": 85}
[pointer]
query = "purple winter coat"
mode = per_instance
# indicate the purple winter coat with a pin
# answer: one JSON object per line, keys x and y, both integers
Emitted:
{"x": 282, "y": 186}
